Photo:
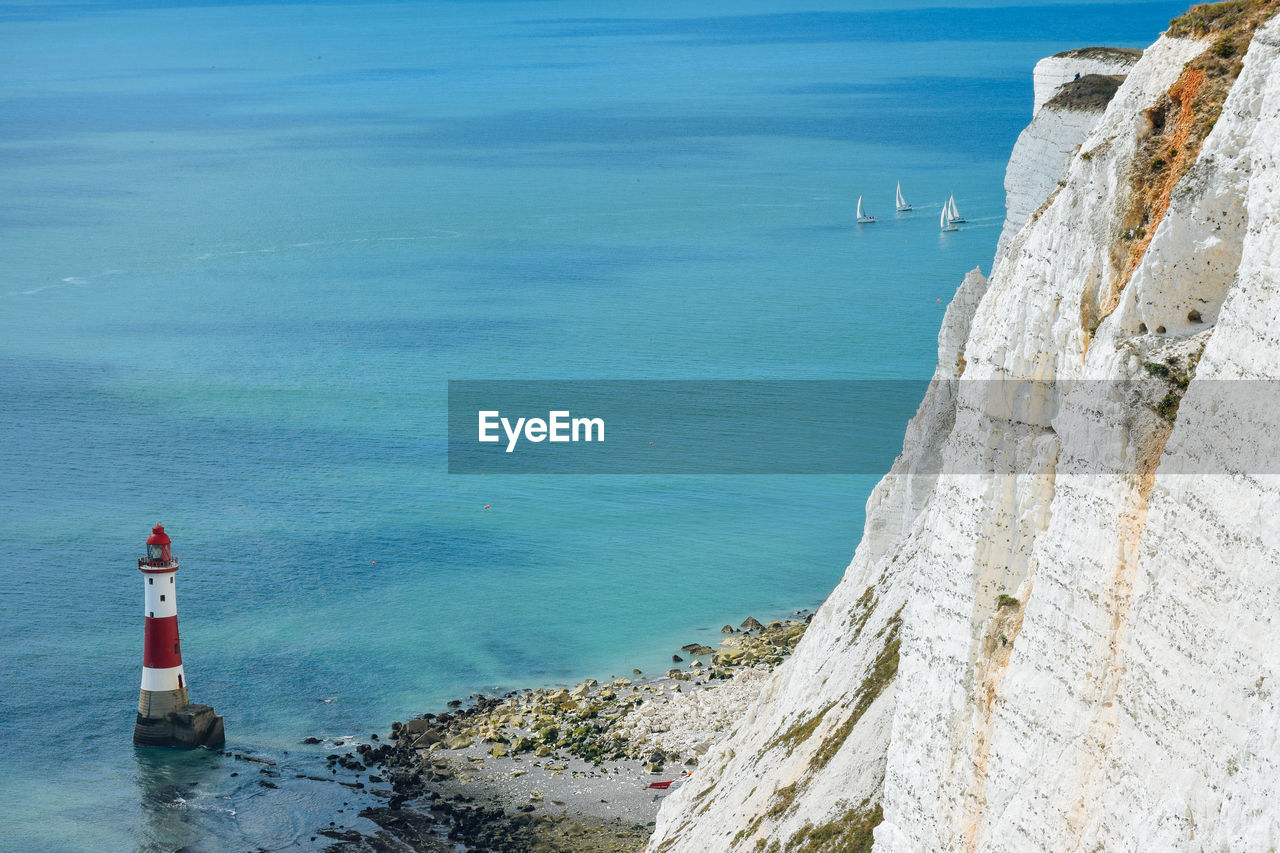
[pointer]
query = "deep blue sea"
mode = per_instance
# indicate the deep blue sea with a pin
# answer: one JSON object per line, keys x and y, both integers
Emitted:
{"x": 244, "y": 247}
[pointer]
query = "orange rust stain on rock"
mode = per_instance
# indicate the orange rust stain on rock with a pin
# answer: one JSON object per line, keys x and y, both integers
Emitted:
{"x": 1181, "y": 156}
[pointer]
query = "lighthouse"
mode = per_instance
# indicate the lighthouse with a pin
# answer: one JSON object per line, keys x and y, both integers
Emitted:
{"x": 166, "y": 716}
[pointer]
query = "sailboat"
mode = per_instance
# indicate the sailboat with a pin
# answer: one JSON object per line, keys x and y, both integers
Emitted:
{"x": 903, "y": 207}
{"x": 953, "y": 215}
{"x": 945, "y": 221}
{"x": 863, "y": 218}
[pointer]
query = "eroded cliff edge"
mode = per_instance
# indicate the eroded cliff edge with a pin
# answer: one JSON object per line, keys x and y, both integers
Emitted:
{"x": 1078, "y": 651}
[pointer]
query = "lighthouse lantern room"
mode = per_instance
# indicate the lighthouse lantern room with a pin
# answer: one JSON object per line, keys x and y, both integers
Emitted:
{"x": 166, "y": 716}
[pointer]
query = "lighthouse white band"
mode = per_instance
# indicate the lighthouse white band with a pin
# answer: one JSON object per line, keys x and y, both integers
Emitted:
{"x": 162, "y": 679}
{"x": 161, "y": 598}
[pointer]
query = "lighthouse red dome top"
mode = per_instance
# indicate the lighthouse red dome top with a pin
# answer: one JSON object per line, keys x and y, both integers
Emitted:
{"x": 158, "y": 556}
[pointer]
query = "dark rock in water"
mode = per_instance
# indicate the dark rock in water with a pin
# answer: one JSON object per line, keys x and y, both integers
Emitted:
{"x": 727, "y": 629}
{"x": 751, "y": 623}
{"x": 636, "y": 672}
{"x": 677, "y": 659}
{"x": 311, "y": 740}
{"x": 454, "y": 703}
{"x": 350, "y": 836}
{"x": 267, "y": 784}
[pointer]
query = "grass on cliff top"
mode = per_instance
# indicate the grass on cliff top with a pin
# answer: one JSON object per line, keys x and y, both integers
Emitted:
{"x": 1106, "y": 54}
{"x": 1232, "y": 17}
{"x": 1090, "y": 92}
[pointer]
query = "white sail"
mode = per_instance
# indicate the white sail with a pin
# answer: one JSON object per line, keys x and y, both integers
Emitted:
{"x": 902, "y": 202}
{"x": 953, "y": 213}
{"x": 863, "y": 216}
{"x": 945, "y": 221}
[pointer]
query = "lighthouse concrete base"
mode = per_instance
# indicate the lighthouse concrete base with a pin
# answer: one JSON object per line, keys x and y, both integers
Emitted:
{"x": 184, "y": 728}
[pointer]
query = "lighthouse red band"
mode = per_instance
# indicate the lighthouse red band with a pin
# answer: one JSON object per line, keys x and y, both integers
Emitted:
{"x": 164, "y": 685}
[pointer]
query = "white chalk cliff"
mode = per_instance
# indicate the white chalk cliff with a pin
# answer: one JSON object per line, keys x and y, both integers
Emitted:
{"x": 1052, "y": 637}
{"x": 1045, "y": 148}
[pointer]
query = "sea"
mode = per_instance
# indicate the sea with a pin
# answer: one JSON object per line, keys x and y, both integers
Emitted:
{"x": 246, "y": 245}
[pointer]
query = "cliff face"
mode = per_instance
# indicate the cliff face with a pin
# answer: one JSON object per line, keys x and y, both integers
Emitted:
{"x": 1051, "y": 636}
{"x": 1044, "y": 149}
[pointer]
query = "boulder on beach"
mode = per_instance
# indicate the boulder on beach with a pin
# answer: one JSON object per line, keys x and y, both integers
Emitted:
{"x": 751, "y": 623}
{"x": 427, "y": 738}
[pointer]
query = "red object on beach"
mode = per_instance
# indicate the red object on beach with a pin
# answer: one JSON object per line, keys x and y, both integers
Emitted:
{"x": 661, "y": 786}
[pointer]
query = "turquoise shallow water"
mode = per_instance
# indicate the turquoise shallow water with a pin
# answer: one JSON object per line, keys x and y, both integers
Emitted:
{"x": 246, "y": 246}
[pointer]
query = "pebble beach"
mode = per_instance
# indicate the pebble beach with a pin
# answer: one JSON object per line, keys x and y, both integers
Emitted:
{"x": 560, "y": 768}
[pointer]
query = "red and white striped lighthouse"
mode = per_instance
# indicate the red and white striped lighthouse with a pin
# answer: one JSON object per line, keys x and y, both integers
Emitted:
{"x": 164, "y": 686}
{"x": 166, "y": 716}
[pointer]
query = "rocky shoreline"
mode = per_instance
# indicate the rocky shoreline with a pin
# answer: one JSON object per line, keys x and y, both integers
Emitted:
{"x": 558, "y": 769}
